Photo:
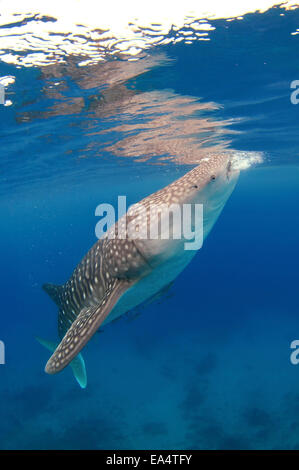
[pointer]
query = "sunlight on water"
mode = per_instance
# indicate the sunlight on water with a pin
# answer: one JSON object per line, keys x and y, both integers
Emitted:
{"x": 40, "y": 33}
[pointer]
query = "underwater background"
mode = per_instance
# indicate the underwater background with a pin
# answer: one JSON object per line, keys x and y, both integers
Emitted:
{"x": 207, "y": 364}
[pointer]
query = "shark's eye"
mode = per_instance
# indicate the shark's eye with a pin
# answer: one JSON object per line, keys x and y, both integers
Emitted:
{"x": 194, "y": 186}
{"x": 213, "y": 177}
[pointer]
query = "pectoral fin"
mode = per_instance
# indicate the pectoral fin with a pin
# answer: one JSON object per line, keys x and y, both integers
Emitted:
{"x": 79, "y": 371}
{"x": 77, "y": 364}
{"x": 84, "y": 327}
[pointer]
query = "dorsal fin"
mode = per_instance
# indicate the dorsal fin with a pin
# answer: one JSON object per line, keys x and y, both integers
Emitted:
{"x": 55, "y": 292}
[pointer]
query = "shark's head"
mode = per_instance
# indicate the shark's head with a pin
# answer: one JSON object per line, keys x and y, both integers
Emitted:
{"x": 213, "y": 177}
{"x": 214, "y": 180}
{"x": 210, "y": 185}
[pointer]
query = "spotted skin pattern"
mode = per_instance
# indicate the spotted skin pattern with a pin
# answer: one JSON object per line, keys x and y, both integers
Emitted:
{"x": 84, "y": 326}
{"x": 113, "y": 265}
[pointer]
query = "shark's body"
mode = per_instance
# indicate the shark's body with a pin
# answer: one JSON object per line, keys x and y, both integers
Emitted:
{"x": 119, "y": 273}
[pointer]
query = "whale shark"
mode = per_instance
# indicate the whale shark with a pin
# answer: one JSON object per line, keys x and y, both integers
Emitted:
{"x": 121, "y": 271}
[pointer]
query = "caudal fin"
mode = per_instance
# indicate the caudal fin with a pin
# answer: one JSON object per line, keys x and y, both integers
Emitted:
{"x": 77, "y": 364}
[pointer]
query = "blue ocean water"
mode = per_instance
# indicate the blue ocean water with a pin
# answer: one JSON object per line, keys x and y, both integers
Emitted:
{"x": 206, "y": 365}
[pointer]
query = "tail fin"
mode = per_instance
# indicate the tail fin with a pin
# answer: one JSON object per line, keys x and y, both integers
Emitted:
{"x": 55, "y": 292}
{"x": 77, "y": 364}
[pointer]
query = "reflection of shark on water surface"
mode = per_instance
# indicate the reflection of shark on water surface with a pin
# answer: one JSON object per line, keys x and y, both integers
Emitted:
{"x": 119, "y": 273}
